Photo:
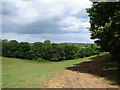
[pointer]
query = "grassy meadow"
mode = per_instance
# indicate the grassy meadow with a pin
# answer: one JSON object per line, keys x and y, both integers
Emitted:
{"x": 19, "y": 73}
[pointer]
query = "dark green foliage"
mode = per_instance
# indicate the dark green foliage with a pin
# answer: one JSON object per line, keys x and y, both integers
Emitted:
{"x": 57, "y": 53}
{"x": 9, "y": 49}
{"x": 105, "y": 26}
{"x": 47, "y": 42}
{"x": 13, "y": 45}
{"x": 47, "y": 50}
{"x": 23, "y": 49}
{"x": 69, "y": 50}
{"x": 31, "y": 55}
{"x": 37, "y": 49}
{"x": 5, "y": 48}
{"x": 88, "y": 51}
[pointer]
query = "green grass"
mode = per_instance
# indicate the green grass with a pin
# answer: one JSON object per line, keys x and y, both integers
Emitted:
{"x": 19, "y": 73}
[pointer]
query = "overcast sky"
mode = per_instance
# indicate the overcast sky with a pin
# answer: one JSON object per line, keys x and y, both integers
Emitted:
{"x": 38, "y": 20}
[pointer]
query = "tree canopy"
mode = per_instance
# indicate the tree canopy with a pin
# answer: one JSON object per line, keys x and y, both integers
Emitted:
{"x": 105, "y": 26}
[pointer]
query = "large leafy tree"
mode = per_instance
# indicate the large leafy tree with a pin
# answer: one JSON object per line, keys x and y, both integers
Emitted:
{"x": 5, "y": 48}
{"x": 57, "y": 53}
{"x": 47, "y": 51}
{"x": 69, "y": 51}
{"x": 105, "y": 26}
{"x": 13, "y": 47}
{"x": 37, "y": 49}
{"x": 47, "y": 42}
{"x": 23, "y": 50}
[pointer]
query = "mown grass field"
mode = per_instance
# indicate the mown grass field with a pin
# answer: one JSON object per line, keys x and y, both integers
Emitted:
{"x": 19, "y": 73}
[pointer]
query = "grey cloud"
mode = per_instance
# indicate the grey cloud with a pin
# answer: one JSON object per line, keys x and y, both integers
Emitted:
{"x": 38, "y": 27}
{"x": 9, "y": 9}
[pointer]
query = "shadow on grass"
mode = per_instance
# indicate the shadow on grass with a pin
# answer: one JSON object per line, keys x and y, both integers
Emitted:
{"x": 102, "y": 66}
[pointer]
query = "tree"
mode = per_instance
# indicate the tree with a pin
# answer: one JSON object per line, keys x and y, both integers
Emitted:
{"x": 69, "y": 50}
{"x": 47, "y": 51}
{"x": 105, "y": 26}
{"x": 57, "y": 53}
{"x": 23, "y": 50}
{"x": 5, "y": 48}
{"x": 13, "y": 47}
{"x": 47, "y": 42}
{"x": 31, "y": 55}
{"x": 37, "y": 49}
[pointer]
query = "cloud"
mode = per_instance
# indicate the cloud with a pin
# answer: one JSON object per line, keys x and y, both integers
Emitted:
{"x": 54, "y": 17}
{"x": 22, "y": 37}
{"x": 57, "y": 38}
{"x": 73, "y": 24}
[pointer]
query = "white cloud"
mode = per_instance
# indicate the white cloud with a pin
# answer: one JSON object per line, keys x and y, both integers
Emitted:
{"x": 30, "y": 11}
{"x": 25, "y": 13}
{"x": 57, "y": 38}
{"x": 22, "y": 37}
{"x": 70, "y": 23}
{"x": 73, "y": 24}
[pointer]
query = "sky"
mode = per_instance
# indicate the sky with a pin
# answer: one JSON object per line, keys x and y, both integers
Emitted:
{"x": 38, "y": 20}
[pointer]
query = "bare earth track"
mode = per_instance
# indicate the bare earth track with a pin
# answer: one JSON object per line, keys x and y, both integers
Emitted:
{"x": 79, "y": 77}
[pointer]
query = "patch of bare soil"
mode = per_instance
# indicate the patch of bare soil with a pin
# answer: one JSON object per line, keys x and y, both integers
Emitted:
{"x": 76, "y": 78}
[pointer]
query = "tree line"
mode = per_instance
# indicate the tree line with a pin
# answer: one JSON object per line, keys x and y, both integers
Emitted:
{"x": 46, "y": 50}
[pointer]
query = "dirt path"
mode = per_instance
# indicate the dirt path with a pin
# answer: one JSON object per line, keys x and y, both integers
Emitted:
{"x": 79, "y": 77}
